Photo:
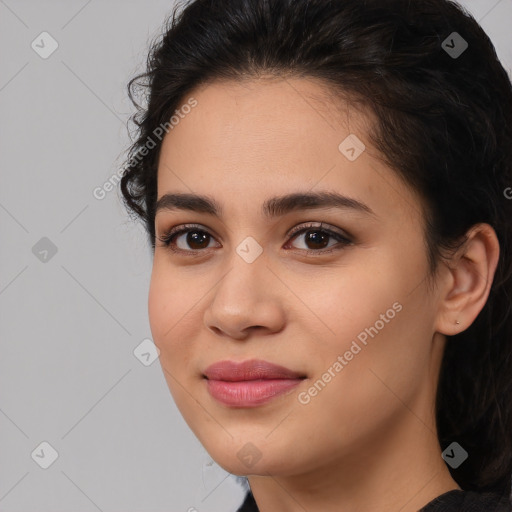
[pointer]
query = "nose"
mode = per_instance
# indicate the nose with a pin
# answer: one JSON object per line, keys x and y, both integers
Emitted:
{"x": 246, "y": 300}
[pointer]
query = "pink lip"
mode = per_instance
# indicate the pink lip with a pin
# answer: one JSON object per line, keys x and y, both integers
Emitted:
{"x": 249, "y": 383}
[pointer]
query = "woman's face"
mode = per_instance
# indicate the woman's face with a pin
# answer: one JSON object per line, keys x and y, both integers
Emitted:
{"x": 346, "y": 308}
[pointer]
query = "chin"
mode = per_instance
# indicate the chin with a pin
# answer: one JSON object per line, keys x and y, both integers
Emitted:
{"x": 242, "y": 456}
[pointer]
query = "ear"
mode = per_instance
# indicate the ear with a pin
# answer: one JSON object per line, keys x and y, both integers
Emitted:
{"x": 466, "y": 280}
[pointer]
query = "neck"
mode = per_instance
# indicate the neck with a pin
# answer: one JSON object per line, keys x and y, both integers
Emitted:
{"x": 400, "y": 469}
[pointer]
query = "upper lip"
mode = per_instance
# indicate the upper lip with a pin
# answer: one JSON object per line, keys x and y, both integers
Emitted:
{"x": 253, "y": 369}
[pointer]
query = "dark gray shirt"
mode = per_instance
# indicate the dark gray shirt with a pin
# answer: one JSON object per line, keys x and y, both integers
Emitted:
{"x": 451, "y": 501}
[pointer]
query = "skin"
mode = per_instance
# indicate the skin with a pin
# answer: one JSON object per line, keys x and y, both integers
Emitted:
{"x": 367, "y": 440}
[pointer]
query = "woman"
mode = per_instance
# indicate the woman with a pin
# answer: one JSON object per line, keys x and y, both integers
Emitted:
{"x": 324, "y": 186}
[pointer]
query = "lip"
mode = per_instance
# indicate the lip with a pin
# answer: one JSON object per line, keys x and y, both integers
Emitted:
{"x": 252, "y": 369}
{"x": 249, "y": 383}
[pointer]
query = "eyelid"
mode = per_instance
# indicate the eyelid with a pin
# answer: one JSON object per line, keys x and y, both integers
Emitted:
{"x": 321, "y": 226}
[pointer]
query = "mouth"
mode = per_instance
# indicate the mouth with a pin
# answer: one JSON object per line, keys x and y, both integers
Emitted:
{"x": 254, "y": 369}
{"x": 249, "y": 383}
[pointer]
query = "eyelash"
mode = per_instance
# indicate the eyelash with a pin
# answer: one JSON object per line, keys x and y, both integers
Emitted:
{"x": 167, "y": 238}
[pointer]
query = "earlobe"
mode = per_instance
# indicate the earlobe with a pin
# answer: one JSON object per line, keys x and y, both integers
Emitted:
{"x": 469, "y": 276}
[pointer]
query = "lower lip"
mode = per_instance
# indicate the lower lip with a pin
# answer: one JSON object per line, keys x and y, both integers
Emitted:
{"x": 249, "y": 393}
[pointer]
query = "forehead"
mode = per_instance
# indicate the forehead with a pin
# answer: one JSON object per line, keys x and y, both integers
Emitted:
{"x": 271, "y": 136}
{"x": 272, "y": 108}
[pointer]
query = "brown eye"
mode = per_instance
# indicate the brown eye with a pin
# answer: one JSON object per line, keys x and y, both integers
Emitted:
{"x": 197, "y": 239}
{"x": 316, "y": 239}
{"x": 186, "y": 239}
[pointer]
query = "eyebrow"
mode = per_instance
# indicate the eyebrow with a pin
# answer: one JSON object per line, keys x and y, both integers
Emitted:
{"x": 271, "y": 208}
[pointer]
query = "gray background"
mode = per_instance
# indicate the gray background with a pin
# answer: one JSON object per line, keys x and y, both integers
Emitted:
{"x": 70, "y": 321}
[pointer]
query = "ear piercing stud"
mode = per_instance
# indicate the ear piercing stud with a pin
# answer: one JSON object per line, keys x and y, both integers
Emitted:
{"x": 457, "y": 322}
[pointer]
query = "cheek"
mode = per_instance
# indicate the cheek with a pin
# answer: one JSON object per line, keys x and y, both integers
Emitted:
{"x": 167, "y": 323}
{"x": 166, "y": 313}
{"x": 384, "y": 361}
{"x": 158, "y": 300}
{"x": 370, "y": 318}
{"x": 167, "y": 301}
{"x": 355, "y": 302}
{"x": 172, "y": 322}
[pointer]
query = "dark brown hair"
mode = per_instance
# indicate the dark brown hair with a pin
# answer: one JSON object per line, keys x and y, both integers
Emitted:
{"x": 444, "y": 125}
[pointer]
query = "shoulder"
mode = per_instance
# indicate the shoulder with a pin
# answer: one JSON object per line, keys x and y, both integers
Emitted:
{"x": 468, "y": 501}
